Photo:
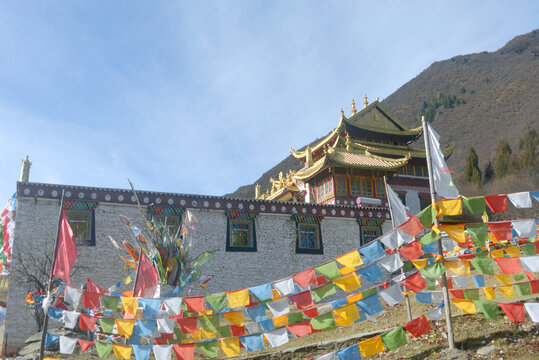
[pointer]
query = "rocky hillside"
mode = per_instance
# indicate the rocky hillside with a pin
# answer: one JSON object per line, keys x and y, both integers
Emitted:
{"x": 471, "y": 100}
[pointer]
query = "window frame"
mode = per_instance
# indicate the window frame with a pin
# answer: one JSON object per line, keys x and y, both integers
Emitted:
{"x": 318, "y": 234}
{"x": 90, "y": 225}
{"x": 381, "y": 188}
{"x": 369, "y": 180}
{"x": 338, "y": 191}
{"x": 353, "y": 179}
{"x": 252, "y": 247}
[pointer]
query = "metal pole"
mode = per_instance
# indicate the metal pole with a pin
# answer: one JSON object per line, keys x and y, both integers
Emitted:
{"x": 449, "y": 323}
{"x": 46, "y": 319}
{"x": 408, "y": 305}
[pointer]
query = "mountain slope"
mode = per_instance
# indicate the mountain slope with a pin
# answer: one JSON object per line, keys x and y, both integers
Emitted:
{"x": 472, "y": 99}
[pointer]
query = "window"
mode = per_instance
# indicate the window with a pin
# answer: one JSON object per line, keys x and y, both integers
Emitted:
{"x": 424, "y": 200}
{"x": 402, "y": 196}
{"x": 355, "y": 185}
{"x": 169, "y": 217}
{"x": 308, "y": 234}
{"x": 241, "y": 233}
{"x": 419, "y": 170}
{"x": 366, "y": 186}
{"x": 341, "y": 184}
{"x": 380, "y": 188}
{"x": 325, "y": 189}
{"x": 81, "y": 217}
{"x": 369, "y": 234}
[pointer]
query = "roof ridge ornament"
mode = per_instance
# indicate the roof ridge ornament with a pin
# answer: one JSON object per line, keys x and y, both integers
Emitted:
{"x": 353, "y": 111}
{"x": 365, "y": 102}
{"x": 342, "y": 114}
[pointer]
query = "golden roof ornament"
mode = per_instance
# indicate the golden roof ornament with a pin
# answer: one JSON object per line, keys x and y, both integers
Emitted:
{"x": 309, "y": 157}
{"x": 342, "y": 114}
{"x": 353, "y": 111}
{"x": 365, "y": 102}
{"x": 347, "y": 142}
{"x": 257, "y": 191}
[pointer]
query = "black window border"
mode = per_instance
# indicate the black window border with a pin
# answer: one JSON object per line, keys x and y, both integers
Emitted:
{"x": 300, "y": 250}
{"x": 90, "y": 208}
{"x": 230, "y": 248}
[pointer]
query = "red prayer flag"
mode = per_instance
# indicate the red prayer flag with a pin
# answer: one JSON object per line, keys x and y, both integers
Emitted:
{"x": 161, "y": 341}
{"x": 509, "y": 265}
{"x": 534, "y": 285}
{"x": 466, "y": 256}
{"x": 529, "y": 275}
{"x": 412, "y": 251}
{"x": 321, "y": 280}
{"x": 311, "y": 312}
{"x": 87, "y": 322}
{"x": 302, "y": 300}
{"x": 84, "y": 345}
{"x": 66, "y": 252}
{"x": 188, "y": 325}
{"x": 415, "y": 282}
{"x": 194, "y": 303}
{"x": 92, "y": 286}
{"x": 457, "y": 294}
{"x": 236, "y": 330}
{"x": 501, "y": 230}
{"x": 147, "y": 278}
{"x": 305, "y": 278}
{"x": 514, "y": 311}
{"x": 418, "y": 326}
{"x": 412, "y": 226}
{"x": 301, "y": 328}
{"x": 184, "y": 351}
{"x": 497, "y": 203}
{"x": 91, "y": 300}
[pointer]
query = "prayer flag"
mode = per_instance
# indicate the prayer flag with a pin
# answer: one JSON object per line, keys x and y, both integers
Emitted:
{"x": 209, "y": 348}
{"x": 418, "y": 326}
{"x": 513, "y": 251}
{"x": 184, "y": 351}
{"x": 323, "y": 291}
{"x": 394, "y": 339}
{"x": 122, "y": 351}
{"x": 350, "y": 259}
{"x": 66, "y": 252}
{"x": 285, "y": 287}
{"x": 514, "y": 311}
{"x": 530, "y": 263}
{"x": 147, "y": 278}
{"x": 414, "y": 282}
{"x": 522, "y": 289}
{"x": 392, "y": 295}
{"x": 509, "y": 265}
{"x": 371, "y": 346}
{"x": 521, "y": 199}
{"x": 277, "y": 337}
{"x": 398, "y": 210}
{"x": 471, "y": 294}
{"x": 483, "y": 266}
{"x": 173, "y": 305}
{"x": 165, "y": 326}
{"x": 455, "y": 232}
{"x": 194, "y": 303}
{"x": 323, "y": 322}
{"x": 450, "y": 207}
{"x": 434, "y": 271}
{"x": 162, "y": 352}
{"x": 124, "y": 327}
{"x": 67, "y": 345}
{"x": 412, "y": 227}
{"x": 87, "y": 322}
{"x": 501, "y": 230}
{"x": 130, "y": 305}
{"x": 507, "y": 291}
{"x": 460, "y": 282}
{"x": 302, "y": 300}
{"x": 490, "y": 293}
{"x": 188, "y": 325}
{"x": 70, "y": 319}
{"x": 301, "y": 328}
{"x": 370, "y": 304}
{"x": 391, "y": 263}
{"x": 103, "y": 349}
{"x": 429, "y": 238}
{"x": 412, "y": 251}
{"x": 238, "y": 298}
{"x": 476, "y": 205}
{"x": 92, "y": 286}
{"x": 391, "y": 239}
{"x": 84, "y": 345}
{"x": 525, "y": 228}
{"x": 466, "y": 306}
{"x": 533, "y": 311}
{"x": 497, "y": 203}
{"x": 479, "y": 280}
{"x": 329, "y": 270}
{"x": 230, "y": 346}
{"x": 427, "y": 216}
{"x": 107, "y": 325}
{"x": 279, "y": 307}
{"x": 253, "y": 342}
{"x": 72, "y": 296}
{"x": 371, "y": 272}
{"x": 443, "y": 183}
{"x": 235, "y": 317}
{"x": 435, "y": 314}
{"x": 305, "y": 278}
{"x": 349, "y": 353}
{"x": 372, "y": 251}
{"x": 489, "y": 309}
{"x": 348, "y": 312}
{"x": 505, "y": 279}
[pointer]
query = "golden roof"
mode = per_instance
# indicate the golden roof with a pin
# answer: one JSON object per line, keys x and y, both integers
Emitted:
{"x": 284, "y": 188}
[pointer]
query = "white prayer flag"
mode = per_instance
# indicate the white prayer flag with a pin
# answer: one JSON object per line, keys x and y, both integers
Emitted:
{"x": 398, "y": 210}
{"x": 521, "y": 200}
{"x": 324, "y": 308}
{"x": 330, "y": 356}
{"x": 533, "y": 311}
{"x": 435, "y": 314}
{"x": 448, "y": 244}
{"x": 391, "y": 262}
{"x": 443, "y": 183}
{"x": 530, "y": 263}
{"x": 166, "y": 326}
{"x": 284, "y": 287}
{"x": 279, "y": 307}
{"x": 67, "y": 345}
{"x": 173, "y": 305}
{"x": 390, "y": 240}
{"x": 392, "y": 295}
{"x": 277, "y": 337}
{"x": 70, "y": 319}
{"x": 162, "y": 352}
{"x": 437, "y": 297}
{"x": 403, "y": 237}
{"x": 525, "y": 228}
{"x": 252, "y": 327}
{"x": 460, "y": 282}
{"x": 72, "y": 296}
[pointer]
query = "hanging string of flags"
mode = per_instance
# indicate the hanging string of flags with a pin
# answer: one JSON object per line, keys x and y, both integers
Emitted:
{"x": 7, "y": 227}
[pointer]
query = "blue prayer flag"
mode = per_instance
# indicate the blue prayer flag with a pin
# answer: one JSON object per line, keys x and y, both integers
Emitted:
{"x": 266, "y": 324}
{"x": 338, "y": 303}
{"x": 55, "y": 313}
{"x": 51, "y": 339}
{"x": 371, "y": 272}
{"x": 151, "y": 307}
{"x": 350, "y": 353}
{"x": 371, "y": 304}
{"x": 373, "y": 251}
{"x": 144, "y": 327}
{"x": 142, "y": 352}
{"x": 424, "y": 297}
{"x": 479, "y": 280}
{"x": 253, "y": 342}
{"x": 262, "y": 292}
{"x": 256, "y": 313}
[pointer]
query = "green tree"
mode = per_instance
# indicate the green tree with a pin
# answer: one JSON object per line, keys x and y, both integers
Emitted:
{"x": 528, "y": 148}
{"x": 489, "y": 172}
{"x": 472, "y": 173}
{"x": 502, "y": 160}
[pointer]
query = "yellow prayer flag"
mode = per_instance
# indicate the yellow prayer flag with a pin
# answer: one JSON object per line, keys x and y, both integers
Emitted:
{"x": 280, "y": 320}
{"x": 458, "y": 267}
{"x": 351, "y": 259}
{"x": 347, "y": 270}
{"x": 371, "y": 346}
{"x": 187, "y": 341}
{"x": 128, "y": 280}
{"x": 490, "y": 293}
{"x": 455, "y": 232}
{"x": 466, "y": 306}
{"x": 348, "y": 282}
{"x": 437, "y": 229}
{"x": 130, "y": 305}
{"x": 206, "y": 312}
{"x": 496, "y": 253}
{"x": 450, "y": 207}
{"x": 276, "y": 295}
{"x": 207, "y": 334}
{"x": 492, "y": 238}
{"x": 197, "y": 335}
{"x": 124, "y": 327}
{"x": 348, "y": 312}
{"x": 420, "y": 263}
{"x": 230, "y": 346}
{"x": 507, "y": 291}
{"x": 51, "y": 358}
{"x": 513, "y": 251}
{"x": 239, "y": 298}
{"x": 354, "y": 298}
{"x": 342, "y": 322}
{"x": 235, "y": 317}
{"x": 122, "y": 351}
{"x": 505, "y": 279}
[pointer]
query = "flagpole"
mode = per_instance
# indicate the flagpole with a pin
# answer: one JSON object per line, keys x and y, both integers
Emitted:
{"x": 408, "y": 305}
{"x": 449, "y": 322}
{"x": 46, "y": 319}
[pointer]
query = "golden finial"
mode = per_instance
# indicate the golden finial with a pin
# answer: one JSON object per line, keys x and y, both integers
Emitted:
{"x": 353, "y": 107}
{"x": 342, "y": 114}
{"x": 378, "y": 98}
{"x": 25, "y": 170}
{"x": 257, "y": 191}
{"x": 347, "y": 142}
{"x": 365, "y": 102}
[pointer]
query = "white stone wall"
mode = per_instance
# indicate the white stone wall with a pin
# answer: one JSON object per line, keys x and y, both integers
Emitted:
{"x": 275, "y": 257}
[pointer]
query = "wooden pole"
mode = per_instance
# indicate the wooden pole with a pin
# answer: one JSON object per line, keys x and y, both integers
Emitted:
{"x": 49, "y": 289}
{"x": 449, "y": 322}
{"x": 408, "y": 305}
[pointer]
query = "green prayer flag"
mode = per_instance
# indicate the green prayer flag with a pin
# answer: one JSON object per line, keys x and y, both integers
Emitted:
{"x": 427, "y": 216}
{"x": 209, "y": 323}
{"x": 476, "y": 204}
{"x": 431, "y": 285}
{"x": 429, "y": 237}
{"x": 179, "y": 334}
{"x": 481, "y": 255}
{"x": 323, "y": 322}
{"x": 209, "y": 348}
{"x": 394, "y": 339}
{"x": 489, "y": 309}
{"x": 110, "y": 302}
{"x": 408, "y": 265}
{"x": 483, "y": 266}
{"x": 528, "y": 249}
{"x": 518, "y": 277}
{"x": 323, "y": 291}
{"x": 369, "y": 292}
{"x": 103, "y": 349}
{"x": 471, "y": 294}
{"x": 295, "y": 318}
{"x": 329, "y": 270}
{"x": 106, "y": 325}
{"x": 522, "y": 289}
{"x": 433, "y": 271}
{"x": 224, "y": 331}
{"x": 479, "y": 233}
{"x": 217, "y": 301}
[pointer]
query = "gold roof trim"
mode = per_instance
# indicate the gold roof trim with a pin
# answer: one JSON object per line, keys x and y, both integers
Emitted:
{"x": 301, "y": 154}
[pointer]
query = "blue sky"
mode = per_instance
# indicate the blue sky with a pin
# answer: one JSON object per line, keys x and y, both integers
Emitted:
{"x": 204, "y": 96}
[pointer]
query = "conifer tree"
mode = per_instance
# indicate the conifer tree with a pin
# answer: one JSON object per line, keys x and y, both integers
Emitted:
{"x": 502, "y": 161}
{"x": 528, "y": 148}
{"x": 472, "y": 173}
{"x": 489, "y": 172}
